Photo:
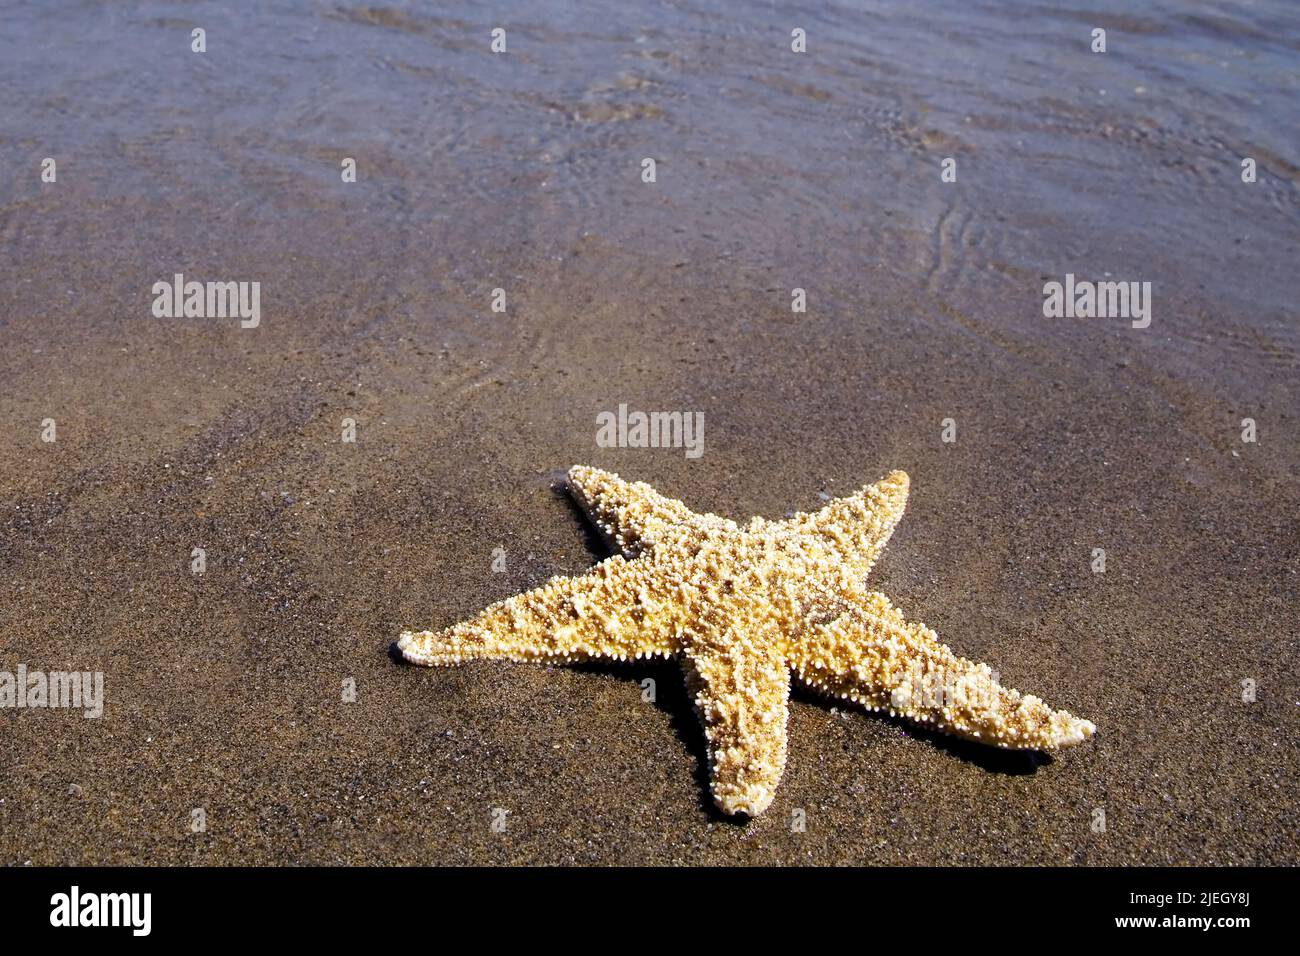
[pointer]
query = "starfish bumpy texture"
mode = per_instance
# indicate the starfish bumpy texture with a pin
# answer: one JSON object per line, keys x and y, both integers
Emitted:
{"x": 742, "y": 608}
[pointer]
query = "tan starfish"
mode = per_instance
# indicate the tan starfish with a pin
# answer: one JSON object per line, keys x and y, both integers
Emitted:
{"x": 742, "y": 607}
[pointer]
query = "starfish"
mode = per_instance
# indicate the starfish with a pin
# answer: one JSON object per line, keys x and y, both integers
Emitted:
{"x": 743, "y": 608}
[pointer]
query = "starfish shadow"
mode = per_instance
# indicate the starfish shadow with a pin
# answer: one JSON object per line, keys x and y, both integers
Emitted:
{"x": 672, "y": 699}
{"x": 990, "y": 759}
{"x": 593, "y": 539}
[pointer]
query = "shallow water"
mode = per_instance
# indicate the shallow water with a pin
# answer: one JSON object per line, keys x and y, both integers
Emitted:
{"x": 1125, "y": 162}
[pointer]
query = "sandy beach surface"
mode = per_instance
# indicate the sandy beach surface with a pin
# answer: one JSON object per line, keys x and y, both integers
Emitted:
{"x": 523, "y": 172}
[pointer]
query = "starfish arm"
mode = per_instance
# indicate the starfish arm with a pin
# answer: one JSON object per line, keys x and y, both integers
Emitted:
{"x": 850, "y": 531}
{"x": 871, "y": 655}
{"x": 741, "y": 691}
{"x": 610, "y": 612}
{"x": 635, "y": 518}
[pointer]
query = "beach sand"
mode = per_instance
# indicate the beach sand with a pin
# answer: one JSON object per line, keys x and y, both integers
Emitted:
{"x": 522, "y": 172}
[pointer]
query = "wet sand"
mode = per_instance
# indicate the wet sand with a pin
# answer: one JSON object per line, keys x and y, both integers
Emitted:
{"x": 522, "y": 172}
